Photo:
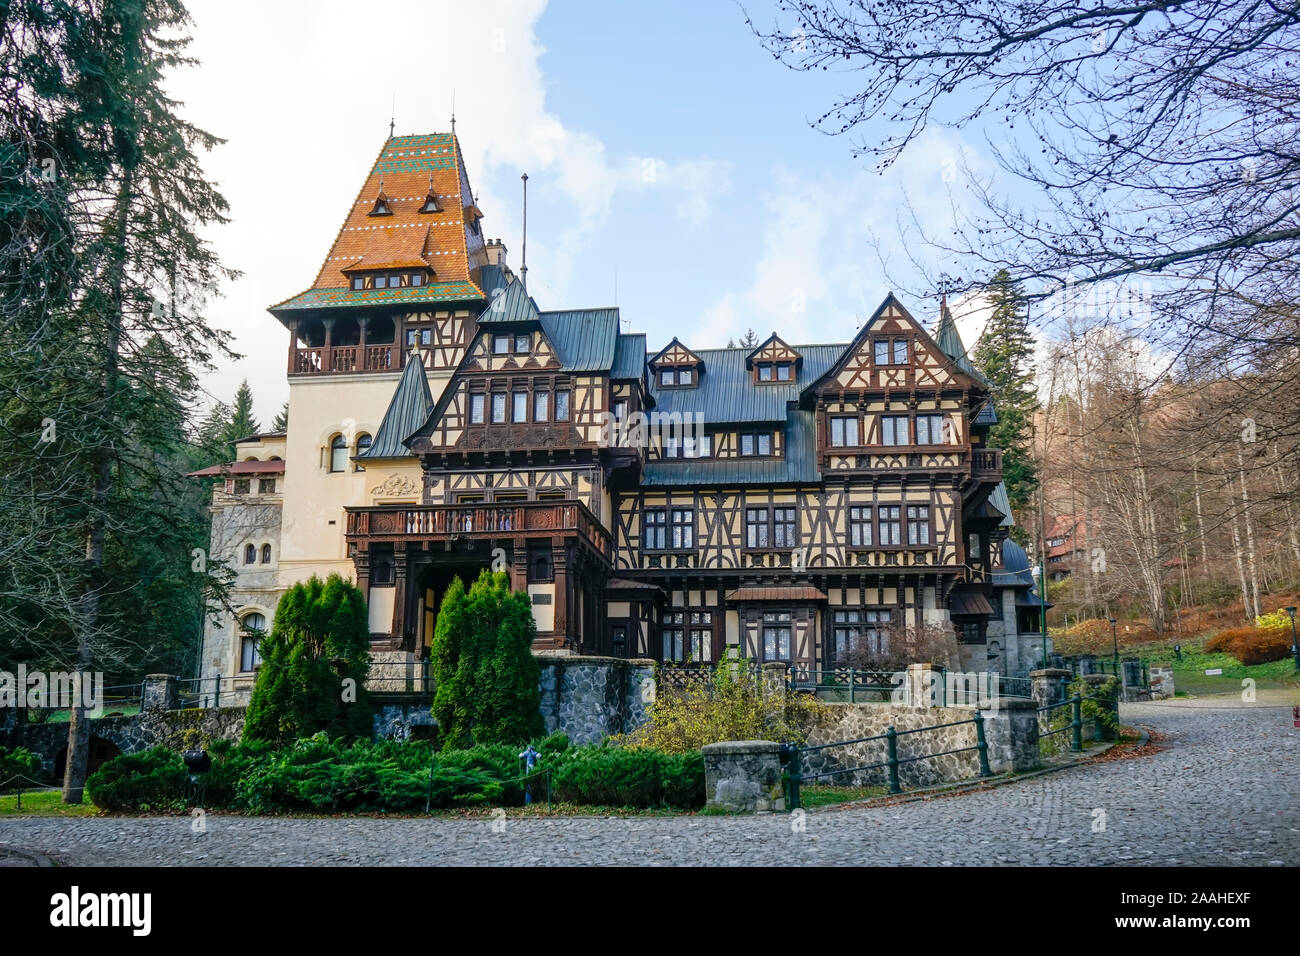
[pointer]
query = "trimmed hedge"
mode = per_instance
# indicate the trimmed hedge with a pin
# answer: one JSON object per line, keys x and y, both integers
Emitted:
{"x": 319, "y": 775}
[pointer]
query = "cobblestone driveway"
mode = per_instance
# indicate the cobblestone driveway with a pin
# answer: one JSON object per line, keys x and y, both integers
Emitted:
{"x": 1225, "y": 790}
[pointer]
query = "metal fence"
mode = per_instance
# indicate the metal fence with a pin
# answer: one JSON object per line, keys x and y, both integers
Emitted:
{"x": 845, "y": 683}
{"x": 796, "y": 777}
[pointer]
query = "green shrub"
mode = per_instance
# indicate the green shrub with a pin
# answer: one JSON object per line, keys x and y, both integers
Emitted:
{"x": 618, "y": 777}
{"x": 150, "y": 781}
{"x": 485, "y": 675}
{"x": 314, "y": 666}
{"x": 730, "y": 704}
{"x": 18, "y": 761}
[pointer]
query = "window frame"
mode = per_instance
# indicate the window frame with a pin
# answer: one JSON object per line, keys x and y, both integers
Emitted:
{"x": 844, "y": 421}
{"x": 894, "y": 522}
{"x": 338, "y": 444}
{"x": 562, "y": 396}
{"x": 893, "y": 431}
{"x": 919, "y": 517}
{"x": 681, "y": 523}
{"x": 777, "y": 620}
{"x": 933, "y": 427}
{"x": 505, "y": 410}
{"x": 500, "y": 339}
{"x": 862, "y": 526}
{"x": 654, "y": 520}
{"x": 478, "y": 407}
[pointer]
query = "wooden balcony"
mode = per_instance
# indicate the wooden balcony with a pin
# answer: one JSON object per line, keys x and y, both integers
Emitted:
{"x": 346, "y": 358}
{"x": 399, "y": 523}
{"x": 986, "y": 463}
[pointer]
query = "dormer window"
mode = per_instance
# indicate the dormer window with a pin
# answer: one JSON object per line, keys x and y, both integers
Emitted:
{"x": 431, "y": 203}
{"x": 774, "y": 362}
{"x": 358, "y": 282}
{"x": 775, "y": 372}
{"x": 381, "y": 207}
{"x": 676, "y": 367}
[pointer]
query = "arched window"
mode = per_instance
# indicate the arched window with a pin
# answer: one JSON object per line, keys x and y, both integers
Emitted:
{"x": 254, "y": 628}
{"x": 266, "y": 554}
{"x": 250, "y": 554}
{"x": 338, "y": 453}
{"x": 364, "y": 441}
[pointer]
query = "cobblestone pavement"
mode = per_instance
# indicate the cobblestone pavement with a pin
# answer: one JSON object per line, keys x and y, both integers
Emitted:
{"x": 1224, "y": 790}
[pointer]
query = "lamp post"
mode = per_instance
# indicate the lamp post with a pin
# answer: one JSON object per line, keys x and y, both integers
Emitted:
{"x": 1295, "y": 646}
{"x": 1114, "y": 637}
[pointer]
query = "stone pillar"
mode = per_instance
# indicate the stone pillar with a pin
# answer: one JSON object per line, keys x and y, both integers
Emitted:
{"x": 773, "y": 676}
{"x": 1011, "y": 732}
{"x": 1162, "y": 682}
{"x": 1047, "y": 685}
{"x": 924, "y": 685}
{"x": 160, "y": 692}
{"x": 743, "y": 776}
{"x": 639, "y": 692}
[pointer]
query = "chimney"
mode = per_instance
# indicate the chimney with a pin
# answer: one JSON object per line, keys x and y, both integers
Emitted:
{"x": 496, "y": 252}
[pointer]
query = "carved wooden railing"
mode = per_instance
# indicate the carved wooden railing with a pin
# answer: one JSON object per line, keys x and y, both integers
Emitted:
{"x": 404, "y": 522}
{"x": 346, "y": 358}
{"x": 986, "y": 461}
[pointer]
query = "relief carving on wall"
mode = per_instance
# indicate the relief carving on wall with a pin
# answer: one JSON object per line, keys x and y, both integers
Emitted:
{"x": 396, "y": 486}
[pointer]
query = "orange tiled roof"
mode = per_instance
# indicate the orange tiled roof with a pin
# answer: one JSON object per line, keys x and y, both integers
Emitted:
{"x": 442, "y": 241}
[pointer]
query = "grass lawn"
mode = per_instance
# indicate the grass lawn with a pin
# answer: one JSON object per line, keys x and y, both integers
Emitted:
{"x": 816, "y": 795}
{"x": 1190, "y": 676}
{"x": 44, "y": 803}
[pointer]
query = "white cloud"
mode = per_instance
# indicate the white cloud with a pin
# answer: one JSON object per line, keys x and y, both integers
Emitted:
{"x": 819, "y": 275}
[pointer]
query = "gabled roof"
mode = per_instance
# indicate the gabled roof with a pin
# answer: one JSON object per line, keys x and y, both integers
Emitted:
{"x": 683, "y": 355}
{"x": 726, "y": 392}
{"x": 511, "y": 306}
{"x": 846, "y": 351}
{"x": 271, "y": 467}
{"x": 629, "y": 356}
{"x": 410, "y": 407}
{"x": 440, "y": 241}
{"x": 774, "y": 349}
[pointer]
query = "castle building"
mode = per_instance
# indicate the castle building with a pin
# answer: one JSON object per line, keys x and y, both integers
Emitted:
{"x": 793, "y": 502}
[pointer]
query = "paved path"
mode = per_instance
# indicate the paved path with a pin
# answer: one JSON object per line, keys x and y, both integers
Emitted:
{"x": 1224, "y": 790}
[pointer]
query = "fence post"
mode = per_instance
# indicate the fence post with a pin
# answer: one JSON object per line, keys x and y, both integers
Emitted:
{"x": 891, "y": 738}
{"x": 1076, "y": 742}
{"x": 794, "y": 777}
{"x": 852, "y": 680}
{"x": 982, "y": 744}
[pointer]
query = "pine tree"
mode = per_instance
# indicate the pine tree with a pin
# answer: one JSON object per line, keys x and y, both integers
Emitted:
{"x": 242, "y": 424}
{"x": 1005, "y": 356}
{"x": 281, "y": 421}
{"x": 109, "y": 326}
{"x": 750, "y": 340}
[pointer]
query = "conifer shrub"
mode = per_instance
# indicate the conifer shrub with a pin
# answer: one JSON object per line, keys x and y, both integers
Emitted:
{"x": 621, "y": 777}
{"x": 153, "y": 780}
{"x": 314, "y": 666}
{"x": 18, "y": 761}
{"x": 486, "y": 678}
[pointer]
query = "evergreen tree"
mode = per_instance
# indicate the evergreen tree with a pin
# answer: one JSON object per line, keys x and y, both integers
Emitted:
{"x": 314, "y": 666}
{"x": 102, "y": 330}
{"x": 281, "y": 421}
{"x": 749, "y": 341}
{"x": 242, "y": 423}
{"x": 485, "y": 675}
{"x": 1005, "y": 356}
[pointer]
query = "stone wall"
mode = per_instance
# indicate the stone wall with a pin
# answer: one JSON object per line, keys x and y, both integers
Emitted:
{"x": 854, "y": 721}
{"x": 744, "y": 776}
{"x": 590, "y": 698}
{"x": 177, "y": 729}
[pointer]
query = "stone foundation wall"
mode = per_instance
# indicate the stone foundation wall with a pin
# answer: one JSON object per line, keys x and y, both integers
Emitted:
{"x": 176, "y": 729}
{"x": 744, "y": 776}
{"x": 590, "y": 698}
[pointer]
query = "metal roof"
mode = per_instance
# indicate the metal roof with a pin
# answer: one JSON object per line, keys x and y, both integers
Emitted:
{"x": 629, "y": 356}
{"x": 512, "y": 304}
{"x": 1014, "y": 572}
{"x": 407, "y": 412}
{"x": 998, "y": 499}
{"x": 584, "y": 339}
{"x": 727, "y": 392}
{"x": 948, "y": 339}
{"x": 275, "y": 467}
{"x": 798, "y": 467}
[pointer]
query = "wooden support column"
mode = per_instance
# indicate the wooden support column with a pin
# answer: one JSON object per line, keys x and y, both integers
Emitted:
{"x": 560, "y": 569}
{"x": 363, "y": 324}
{"x": 519, "y": 565}
{"x": 400, "y": 569}
{"x": 293, "y": 345}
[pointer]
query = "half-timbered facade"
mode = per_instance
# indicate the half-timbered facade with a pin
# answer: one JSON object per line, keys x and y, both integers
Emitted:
{"x": 786, "y": 502}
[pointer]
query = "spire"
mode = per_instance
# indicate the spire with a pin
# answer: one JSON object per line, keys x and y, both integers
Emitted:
{"x": 523, "y": 258}
{"x": 407, "y": 412}
{"x": 948, "y": 339}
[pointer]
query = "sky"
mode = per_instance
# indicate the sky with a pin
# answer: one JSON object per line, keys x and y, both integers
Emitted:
{"x": 672, "y": 168}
